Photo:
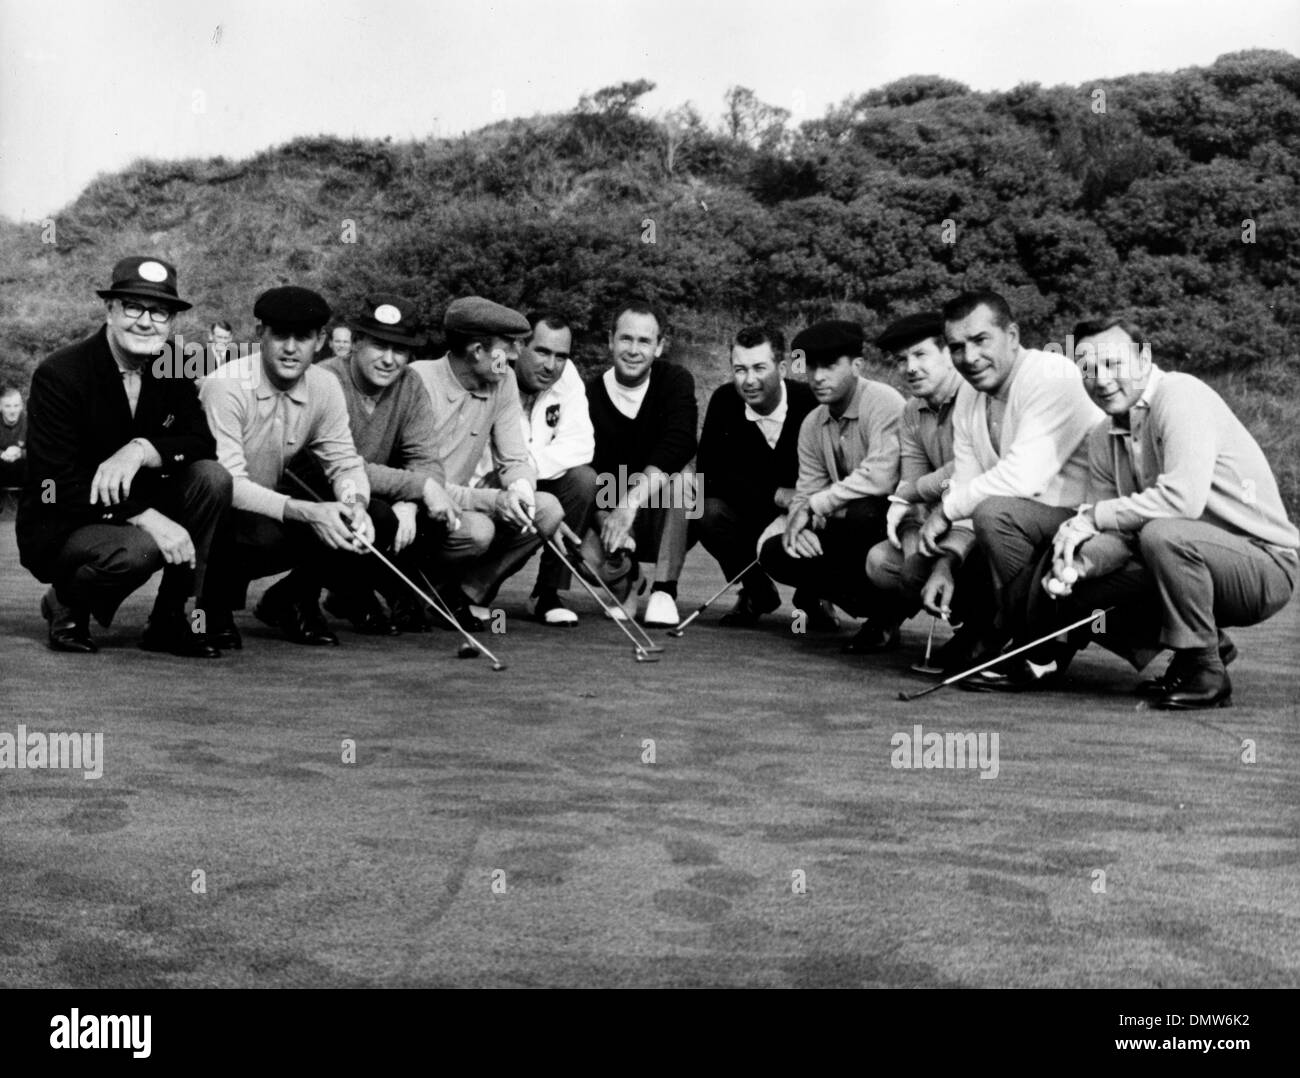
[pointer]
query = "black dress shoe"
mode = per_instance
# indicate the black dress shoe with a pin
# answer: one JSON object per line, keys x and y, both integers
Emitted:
{"x": 364, "y": 612}
{"x": 750, "y": 606}
{"x": 872, "y": 637}
{"x": 1021, "y": 674}
{"x": 305, "y": 624}
{"x": 820, "y": 614}
{"x": 967, "y": 648}
{"x": 1180, "y": 666}
{"x": 464, "y": 615}
{"x": 173, "y": 634}
{"x": 222, "y": 633}
{"x": 1205, "y": 684}
{"x": 69, "y": 629}
{"x": 409, "y": 615}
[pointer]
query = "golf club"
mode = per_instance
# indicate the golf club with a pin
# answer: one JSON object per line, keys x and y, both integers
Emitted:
{"x": 680, "y": 628}
{"x": 907, "y": 697}
{"x": 924, "y": 667}
{"x": 438, "y": 605}
{"x": 643, "y": 653}
{"x": 569, "y": 536}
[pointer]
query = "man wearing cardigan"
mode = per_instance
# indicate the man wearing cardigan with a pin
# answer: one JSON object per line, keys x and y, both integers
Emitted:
{"x": 644, "y": 414}
{"x": 1184, "y": 530}
{"x": 748, "y": 463}
{"x": 1021, "y": 462}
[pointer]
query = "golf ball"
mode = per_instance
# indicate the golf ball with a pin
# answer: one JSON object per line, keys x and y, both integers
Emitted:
{"x": 1069, "y": 574}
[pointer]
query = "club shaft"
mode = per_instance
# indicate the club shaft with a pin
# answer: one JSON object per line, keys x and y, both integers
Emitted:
{"x": 714, "y": 597}
{"x": 437, "y": 605}
{"x": 559, "y": 553}
{"x": 566, "y": 532}
{"x": 1006, "y": 655}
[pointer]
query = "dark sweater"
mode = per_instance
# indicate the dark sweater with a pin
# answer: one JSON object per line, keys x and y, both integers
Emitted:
{"x": 663, "y": 433}
{"x": 15, "y": 435}
{"x": 735, "y": 461}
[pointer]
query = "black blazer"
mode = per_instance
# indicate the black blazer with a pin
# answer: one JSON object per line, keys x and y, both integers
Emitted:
{"x": 735, "y": 461}
{"x": 78, "y": 417}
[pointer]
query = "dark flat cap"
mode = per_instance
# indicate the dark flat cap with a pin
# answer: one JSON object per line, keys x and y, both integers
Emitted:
{"x": 145, "y": 277}
{"x": 823, "y": 343}
{"x": 291, "y": 307}
{"x": 475, "y": 315}
{"x": 390, "y": 318}
{"x": 910, "y": 329}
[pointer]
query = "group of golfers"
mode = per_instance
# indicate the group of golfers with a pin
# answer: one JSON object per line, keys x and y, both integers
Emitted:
{"x": 1036, "y": 501}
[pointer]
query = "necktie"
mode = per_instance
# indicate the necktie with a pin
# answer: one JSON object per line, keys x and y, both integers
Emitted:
{"x": 131, "y": 383}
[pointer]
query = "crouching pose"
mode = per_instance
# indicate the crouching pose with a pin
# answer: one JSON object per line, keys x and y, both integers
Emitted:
{"x": 122, "y": 480}
{"x": 1183, "y": 531}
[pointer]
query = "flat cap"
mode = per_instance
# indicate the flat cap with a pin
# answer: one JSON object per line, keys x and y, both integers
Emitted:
{"x": 476, "y": 315}
{"x": 145, "y": 277}
{"x": 823, "y": 343}
{"x": 387, "y": 317}
{"x": 291, "y": 307}
{"x": 910, "y": 329}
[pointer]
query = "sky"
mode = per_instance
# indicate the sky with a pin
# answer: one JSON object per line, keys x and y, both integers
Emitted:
{"x": 87, "y": 86}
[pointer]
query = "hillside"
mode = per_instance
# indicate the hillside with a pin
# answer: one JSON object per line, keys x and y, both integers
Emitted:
{"x": 1173, "y": 196}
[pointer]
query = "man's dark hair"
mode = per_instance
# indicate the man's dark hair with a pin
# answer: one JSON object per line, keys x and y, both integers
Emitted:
{"x": 960, "y": 307}
{"x": 8, "y": 390}
{"x": 341, "y": 325}
{"x": 640, "y": 306}
{"x": 221, "y": 323}
{"x": 1090, "y": 327}
{"x": 753, "y": 336}
{"x": 551, "y": 319}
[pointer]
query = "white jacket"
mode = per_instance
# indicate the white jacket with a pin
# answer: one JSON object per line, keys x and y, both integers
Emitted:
{"x": 558, "y": 430}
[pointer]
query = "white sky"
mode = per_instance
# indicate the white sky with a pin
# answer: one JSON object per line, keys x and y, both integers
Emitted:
{"x": 87, "y": 86}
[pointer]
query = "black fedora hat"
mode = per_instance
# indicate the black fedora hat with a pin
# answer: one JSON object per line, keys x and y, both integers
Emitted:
{"x": 390, "y": 318}
{"x": 145, "y": 278}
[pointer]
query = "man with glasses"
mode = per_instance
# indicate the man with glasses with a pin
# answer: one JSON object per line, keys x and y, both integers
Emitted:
{"x": 122, "y": 479}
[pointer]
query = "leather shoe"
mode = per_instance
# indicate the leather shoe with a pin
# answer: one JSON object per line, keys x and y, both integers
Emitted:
{"x": 750, "y": 606}
{"x": 459, "y": 604}
{"x": 1021, "y": 674}
{"x": 173, "y": 634}
{"x": 223, "y": 635}
{"x": 365, "y": 614}
{"x": 820, "y": 613}
{"x": 301, "y": 622}
{"x": 1179, "y": 666}
{"x": 872, "y": 637}
{"x": 1204, "y": 684}
{"x": 69, "y": 630}
{"x": 409, "y": 615}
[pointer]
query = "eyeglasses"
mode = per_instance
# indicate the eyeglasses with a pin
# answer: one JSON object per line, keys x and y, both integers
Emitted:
{"x": 158, "y": 315}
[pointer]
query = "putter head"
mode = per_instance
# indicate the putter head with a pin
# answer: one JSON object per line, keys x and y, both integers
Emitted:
{"x": 497, "y": 667}
{"x": 904, "y": 697}
{"x": 675, "y": 632}
{"x": 644, "y": 656}
{"x": 925, "y": 668}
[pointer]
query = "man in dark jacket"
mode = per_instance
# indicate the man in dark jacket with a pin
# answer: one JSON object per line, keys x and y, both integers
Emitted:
{"x": 122, "y": 479}
{"x": 748, "y": 463}
{"x": 644, "y": 414}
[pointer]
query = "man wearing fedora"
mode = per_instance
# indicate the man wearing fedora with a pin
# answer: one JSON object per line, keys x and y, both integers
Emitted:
{"x": 393, "y": 429}
{"x": 271, "y": 413}
{"x": 122, "y": 480}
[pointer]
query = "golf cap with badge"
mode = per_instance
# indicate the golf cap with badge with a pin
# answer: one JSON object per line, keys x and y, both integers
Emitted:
{"x": 389, "y": 318}
{"x": 292, "y": 309}
{"x": 146, "y": 278}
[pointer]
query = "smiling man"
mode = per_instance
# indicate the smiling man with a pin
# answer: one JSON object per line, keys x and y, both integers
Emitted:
{"x": 1184, "y": 530}
{"x": 955, "y": 581}
{"x": 1020, "y": 460}
{"x": 748, "y": 463}
{"x": 121, "y": 479}
{"x": 644, "y": 413}
{"x": 848, "y": 466}
{"x": 266, "y": 410}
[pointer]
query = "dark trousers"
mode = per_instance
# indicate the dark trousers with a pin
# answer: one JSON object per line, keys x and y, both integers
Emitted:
{"x": 252, "y": 546}
{"x": 101, "y": 564}
{"x": 730, "y": 533}
{"x": 576, "y": 492}
{"x": 1015, "y": 535}
{"x": 840, "y": 574}
{"x": 907, "y": 571}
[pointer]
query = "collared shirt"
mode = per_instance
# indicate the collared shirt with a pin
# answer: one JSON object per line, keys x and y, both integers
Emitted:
{"x": 259, "y": 430}
{"x": 855, "y": 455}
{"x": 771, "y": 425}
{"x": 627, "y": 399}
{"x": 131, "y": 382}
{"x": 471, "y": 422}
{"x": 1188, "y": 456}
{"x": 926, "y": 440}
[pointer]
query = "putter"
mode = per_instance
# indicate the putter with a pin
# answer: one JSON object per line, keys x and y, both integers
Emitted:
{"x": 569, "y": 536}
{"x": 471, "y": 647}
{"x": 680, "y": 628}
{"x": 907, "y": 697}
{"x": 643, "y": 653}
{"x": 924, "y": 667}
